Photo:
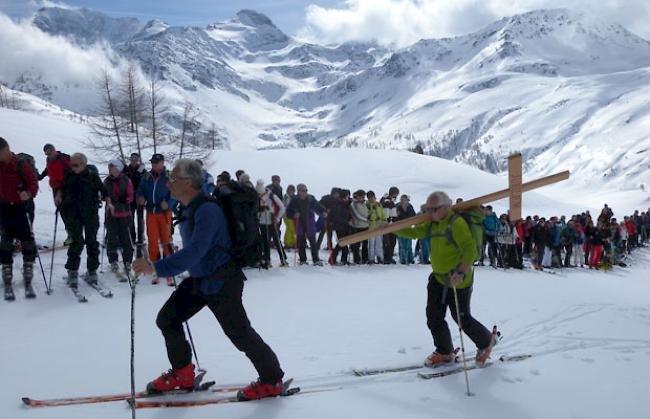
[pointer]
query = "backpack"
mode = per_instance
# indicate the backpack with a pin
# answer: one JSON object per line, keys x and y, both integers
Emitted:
{"x": 240, "y": 205}
{"x": 92, "y": 169}
{"x": 474, "y": 218}
{"x": 29, "y": 159}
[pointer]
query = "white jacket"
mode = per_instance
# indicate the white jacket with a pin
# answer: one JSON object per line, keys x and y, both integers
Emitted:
{"x": 267, "y": 199}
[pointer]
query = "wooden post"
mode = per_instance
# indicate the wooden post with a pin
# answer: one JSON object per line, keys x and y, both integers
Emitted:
{"x": 514, "y": 185}
{"x": 494, "y": 196}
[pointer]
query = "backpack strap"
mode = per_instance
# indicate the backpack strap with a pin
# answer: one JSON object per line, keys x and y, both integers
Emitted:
{"x": 447, "y": 234}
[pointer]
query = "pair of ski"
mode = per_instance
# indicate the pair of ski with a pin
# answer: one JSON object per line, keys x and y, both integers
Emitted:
{"x": 104, "y": 292}
{"x": 444, "y": 370}
{"x": 209, "y": 387}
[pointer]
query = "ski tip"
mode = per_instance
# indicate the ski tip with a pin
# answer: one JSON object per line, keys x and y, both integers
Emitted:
{"x": 26, "y": 400}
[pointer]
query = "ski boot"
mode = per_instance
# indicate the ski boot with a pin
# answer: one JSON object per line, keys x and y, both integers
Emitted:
{"x": 7, "y": 277}
{"x": 182, "y": 378}
{"x": 259, "y": 390}
{"x": 170, "y": 281}
{"x": 73, "y": 279}
{"x": 437, "y": 359}
{"x": 318, "y": 263}
{"x": 114, "y": 267}
{"x": 482, "y": 355}
{"x": 91, "y": 278}
{"x": 28, "y": 275}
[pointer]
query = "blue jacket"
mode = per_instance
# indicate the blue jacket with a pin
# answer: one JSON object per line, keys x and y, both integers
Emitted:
{"x": 491, "y": 224}
{"x": 556, "y": 235}
{"x": 154, "y": 189}
{"x": 208, "y": 186}
{"x": 205, "y": 248}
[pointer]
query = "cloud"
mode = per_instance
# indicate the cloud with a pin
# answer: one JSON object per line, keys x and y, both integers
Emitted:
{"x": 28, "y": 49}
{"x": 403, "y": 22}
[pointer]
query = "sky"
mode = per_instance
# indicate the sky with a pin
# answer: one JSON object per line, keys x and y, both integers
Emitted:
{"x": 390, "y": 22}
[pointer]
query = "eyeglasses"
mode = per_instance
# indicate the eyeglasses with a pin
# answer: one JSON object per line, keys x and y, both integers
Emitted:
{"x": 173, "y": 179}
{"x": 75, "y": 165}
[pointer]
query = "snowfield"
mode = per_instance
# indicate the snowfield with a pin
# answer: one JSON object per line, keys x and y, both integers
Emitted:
{"x": 587, "y": 331}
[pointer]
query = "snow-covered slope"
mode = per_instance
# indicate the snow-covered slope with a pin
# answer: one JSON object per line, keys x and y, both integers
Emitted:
{"x": 552, "y": 84}
{"x": 587, "y": 330}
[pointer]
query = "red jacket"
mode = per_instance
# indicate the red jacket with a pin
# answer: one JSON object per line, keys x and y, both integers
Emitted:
{"x": 11, "y": 183}
{"x": 56, "y": 169}
{"x": 631, "y": 227}
{"x": 520, "y": 233}
{"x": 120, "y": 190}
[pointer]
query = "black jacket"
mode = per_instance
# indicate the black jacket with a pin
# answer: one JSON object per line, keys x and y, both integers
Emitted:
{"x": 81, "y": 193}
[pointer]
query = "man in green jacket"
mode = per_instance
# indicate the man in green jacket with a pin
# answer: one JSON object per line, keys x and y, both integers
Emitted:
{"x": 453, "y": 251}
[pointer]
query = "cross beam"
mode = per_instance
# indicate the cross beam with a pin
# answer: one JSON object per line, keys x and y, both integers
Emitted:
{"x": 494, "y": 196}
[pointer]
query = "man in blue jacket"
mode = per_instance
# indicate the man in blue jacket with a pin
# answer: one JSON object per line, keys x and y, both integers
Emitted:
{"x": 153, "y": 192}
{"x": 491, "y": 229}
{"x": 215, "y": 281}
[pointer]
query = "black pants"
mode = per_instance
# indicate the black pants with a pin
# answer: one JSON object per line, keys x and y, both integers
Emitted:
{"x": 226, "y": 305}
{"x": 437, "y": 309}
{"x": 491, "y": 246}
{"x": 356, "y": 256}
{"x": 389, "y": 241}
{"x": 340, "y": 233}
{"x": 83, "y": 231}
{"x": 568, "y": 249}
{"x": 270, "y": 232}
{"x": 313, "y": 247}
{"x": 138, "y": 214}
{"x": 321, "y": 235}
{"x": 14, "y": 225}
{"x": 118, "y": 232}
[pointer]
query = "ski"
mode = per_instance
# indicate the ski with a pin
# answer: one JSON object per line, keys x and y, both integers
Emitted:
{"x": 430, "y": 375}
{"x": 69, "y": 401}
{"x": 388, "y": 370}
{"x": 287, "y": 391}
{"x": 104, "y": 292}
{"x": 80, "y": 297}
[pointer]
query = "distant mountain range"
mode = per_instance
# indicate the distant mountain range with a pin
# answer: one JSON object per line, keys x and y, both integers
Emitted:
{"x": 565, "y": 91}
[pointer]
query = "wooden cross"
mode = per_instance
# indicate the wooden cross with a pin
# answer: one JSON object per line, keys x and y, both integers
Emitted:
{"x": 513, "y": 193}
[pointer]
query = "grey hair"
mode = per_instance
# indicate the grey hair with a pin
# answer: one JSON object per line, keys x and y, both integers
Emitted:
{"x": 82, "y": 157}
{"x": 190, "y": 169}
{"x": 441, "y": 198}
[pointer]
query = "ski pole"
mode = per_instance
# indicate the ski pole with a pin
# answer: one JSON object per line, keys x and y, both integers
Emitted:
{"x": 101, "y": 260}
{"x": 132, "y": 284}
{"x": 462, "y": 344}
{"x": 56, "y": 219}
{"x": 38, "y": 255}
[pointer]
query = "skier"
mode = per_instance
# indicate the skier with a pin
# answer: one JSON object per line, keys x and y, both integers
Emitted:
{"x": 405, "y": 210}
{"x": 135, "y": 171}
{"x": 269, "y": 220}
{"x": 154, "y": 193}
{"x": 17, "y": 187}
{"x": 389, "y": 240}
{"x": 79, "y": 202}
{"x": 376, "y": 218}
{"x": 359, "y": 222}
{"x": 452, "y": 267}
{"x": 302, "y": 210}
{"x": 58, "y": 166}
{"x": 214, "y": 281}
{"x": 118, "y": 217}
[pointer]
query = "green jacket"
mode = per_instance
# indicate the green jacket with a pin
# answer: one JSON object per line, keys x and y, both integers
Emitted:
{"x": 376, "y": 214}
{"x": 446, "y": 256}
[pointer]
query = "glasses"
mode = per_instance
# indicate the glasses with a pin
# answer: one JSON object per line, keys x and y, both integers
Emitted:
{"x": 173, "y": 179}
{"x": 75, "y": 165}
{"x": 433, "y": 209}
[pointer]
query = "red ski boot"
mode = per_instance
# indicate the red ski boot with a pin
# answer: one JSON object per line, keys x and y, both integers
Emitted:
{"x": 259, "y": 390}
{"x": 182, "y": 378}
{"x": 482, "y": 355}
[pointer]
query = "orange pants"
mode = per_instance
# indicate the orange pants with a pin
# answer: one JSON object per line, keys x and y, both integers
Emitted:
{"x": 159, "y": 232}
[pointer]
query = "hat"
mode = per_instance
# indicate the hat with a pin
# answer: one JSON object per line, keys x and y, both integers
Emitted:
{"x": 117, "y": 164}
{"x": 157, "y": 158}
{"x": 135, "y": 156}
{"x": 259, "y": 187}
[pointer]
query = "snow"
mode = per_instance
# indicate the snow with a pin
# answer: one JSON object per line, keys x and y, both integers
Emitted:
{"x": 587, "y": 330}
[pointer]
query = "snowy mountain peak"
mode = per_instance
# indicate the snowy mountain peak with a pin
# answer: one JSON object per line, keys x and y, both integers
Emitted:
{"x": 86, "y": 26}
{"x": 252, "y": 18}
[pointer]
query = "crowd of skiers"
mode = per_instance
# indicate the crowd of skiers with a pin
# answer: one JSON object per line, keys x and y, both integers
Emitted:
{"x": 139, "y": 210}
